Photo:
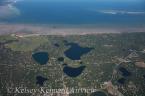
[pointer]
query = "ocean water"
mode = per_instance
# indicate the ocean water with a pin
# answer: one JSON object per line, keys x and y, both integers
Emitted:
{"x": 76, "y": 13}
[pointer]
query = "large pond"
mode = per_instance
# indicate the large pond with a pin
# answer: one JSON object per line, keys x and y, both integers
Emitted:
{"x": 75, "y": 51}
{"x": 73, "y": 72}
{"x": 41, "y": 57}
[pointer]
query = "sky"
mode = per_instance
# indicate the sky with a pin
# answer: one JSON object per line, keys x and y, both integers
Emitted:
{"x": 95, "y": 0}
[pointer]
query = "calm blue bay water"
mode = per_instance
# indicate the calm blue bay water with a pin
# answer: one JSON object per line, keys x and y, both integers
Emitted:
{"x": 48, "y": 12}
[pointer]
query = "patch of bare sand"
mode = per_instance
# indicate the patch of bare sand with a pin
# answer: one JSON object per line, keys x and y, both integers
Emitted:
{"x": 140, "y": 64}
{"x": 52, "y": 30}
{"x": 113, "y": 90}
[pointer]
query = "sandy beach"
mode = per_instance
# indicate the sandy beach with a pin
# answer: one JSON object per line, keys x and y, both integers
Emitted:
{"x": 63, "y": 30}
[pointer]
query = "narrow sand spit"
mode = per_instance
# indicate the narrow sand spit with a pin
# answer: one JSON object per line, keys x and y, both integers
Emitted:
{"x": 55, "y": 30}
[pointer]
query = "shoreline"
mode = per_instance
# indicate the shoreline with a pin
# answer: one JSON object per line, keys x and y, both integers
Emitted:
{"x": 6, "y": 29}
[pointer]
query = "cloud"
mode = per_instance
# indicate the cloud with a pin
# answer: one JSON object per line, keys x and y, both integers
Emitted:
{"x": 115, "y": 12}
{"x": 8, "y": 11}
{"x": 6, "y": 2}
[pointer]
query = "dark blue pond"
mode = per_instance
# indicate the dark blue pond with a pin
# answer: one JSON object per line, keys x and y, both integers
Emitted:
{"x": 40, "y": 80}
{"x": 65, "y": 42}
{"x": 41, "y": 57}
{"x": 75, "y": 51}
{"x": 56, "y": 45}
{"x": 61, "y": 59}
{"x": 73, "y": 72}
{"x": 143, "y": 76}
{"x": 81, "y": 62}
{"x": 121, "y": 80}
{"x": 98, "y": 93}
{"x": 124, "y": 72}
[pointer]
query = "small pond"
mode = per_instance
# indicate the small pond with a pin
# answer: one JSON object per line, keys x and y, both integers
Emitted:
{"x": 41, "y": 57}
{"x": 40, "y": 80}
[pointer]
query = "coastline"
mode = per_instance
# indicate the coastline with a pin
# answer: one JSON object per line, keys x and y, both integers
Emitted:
{"x": 6, "y": 29}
